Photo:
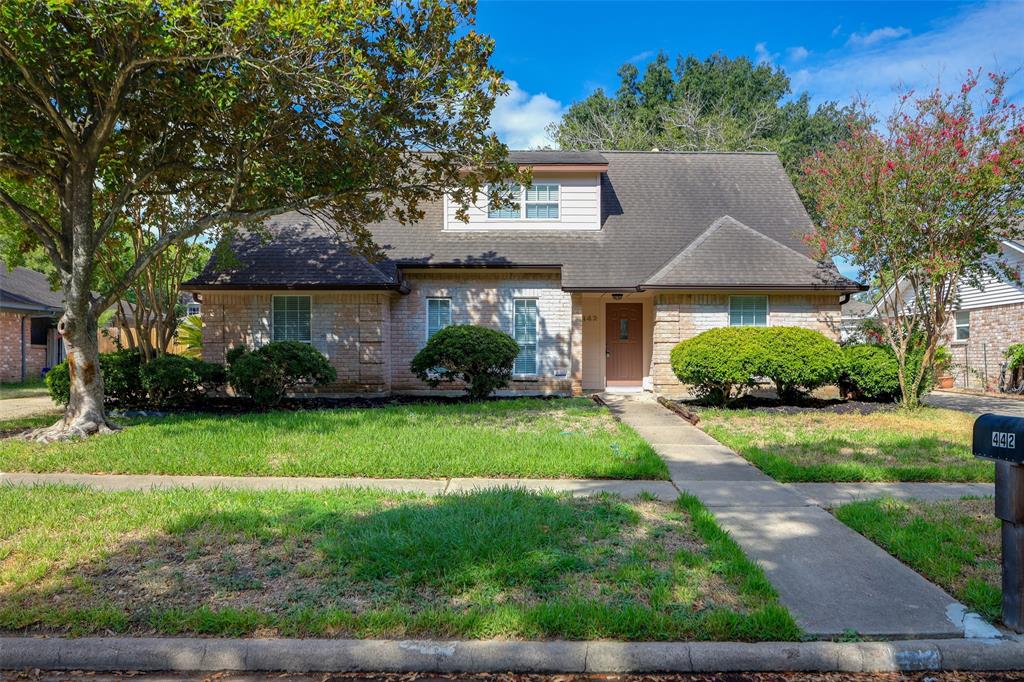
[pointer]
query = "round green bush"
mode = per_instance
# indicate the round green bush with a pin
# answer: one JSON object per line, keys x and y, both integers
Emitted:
{"x": 871, "y": 372}
{"x": 122, "y": 384}
{"x": 267, "y": 373}
{"x": 799, "y": 360}
{"x": 720, "y": 364}
{"x": 176, "y": 380}
{"x": 479, "y": 356}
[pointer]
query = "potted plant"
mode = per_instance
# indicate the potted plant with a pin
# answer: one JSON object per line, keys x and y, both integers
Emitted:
{"x": 942, "y": 364}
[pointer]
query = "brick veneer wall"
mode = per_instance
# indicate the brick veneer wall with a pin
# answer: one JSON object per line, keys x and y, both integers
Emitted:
{"x": 10, "y": 349}
{"x": 682, "y": 316}
{"x": 487, "y": 299}
{"x": 351, "y": 329}
{"x": 993, "y": 330}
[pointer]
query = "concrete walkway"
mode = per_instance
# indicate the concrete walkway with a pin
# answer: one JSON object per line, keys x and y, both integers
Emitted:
{"x": 663, "y": 490}
{"x": 831, "y": 495}
{"x": 17, "y": 408}
{"x": 975, "y": 404}
{"x": 830, "y": 578}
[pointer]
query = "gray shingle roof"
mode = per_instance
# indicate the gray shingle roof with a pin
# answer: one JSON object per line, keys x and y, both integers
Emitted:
{"x": 557, "y": 156}
{"x": 654, "y": 205}
{"x": 24, "y": 289}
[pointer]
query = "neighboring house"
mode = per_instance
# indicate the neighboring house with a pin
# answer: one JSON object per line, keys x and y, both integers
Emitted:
{"x": 608, "y": 261}
{"x": 29, "y": 311}
{"x": 989, "y": 318}
{"x": 854, "y": 313}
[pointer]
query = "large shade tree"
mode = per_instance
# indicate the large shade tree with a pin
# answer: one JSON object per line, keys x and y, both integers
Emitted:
{"x": 920, "y": 203}
{"x": 236, "y": 110}
{"x": 712, "y": 104}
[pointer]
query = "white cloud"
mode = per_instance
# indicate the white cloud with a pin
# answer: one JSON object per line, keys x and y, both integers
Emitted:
{"x": 877, "y": 36}
{"x": 641, "y": 57}
{"x": 986, "y": 37}
{"x": 763, "y": 55}
{"x": 837, "y": 30}
{"x": 798, "y": 53}
{"x": 520, "y": 118}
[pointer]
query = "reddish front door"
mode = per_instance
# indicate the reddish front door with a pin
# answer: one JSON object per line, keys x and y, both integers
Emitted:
{"x": 624, "y": 346}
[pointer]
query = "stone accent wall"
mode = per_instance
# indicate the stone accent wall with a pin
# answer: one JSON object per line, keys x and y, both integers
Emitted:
{"x": 10, "y": 349}
{"x": 993, "y": 330}
{"x": 486, "y": 299}
{"x": 351, "y": 329}
{"x": 683, "y": 316}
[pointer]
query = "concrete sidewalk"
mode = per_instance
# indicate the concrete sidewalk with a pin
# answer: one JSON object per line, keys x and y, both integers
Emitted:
{"x": 663, "y": 490}
{"x": 17, "y": 408}
{"x": 832, "y": 579}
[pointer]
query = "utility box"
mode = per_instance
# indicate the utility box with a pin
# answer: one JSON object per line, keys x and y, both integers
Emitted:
{"x": 999, "y": 437}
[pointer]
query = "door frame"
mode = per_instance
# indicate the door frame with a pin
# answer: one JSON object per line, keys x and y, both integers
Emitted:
{"x": 631, "y": 383}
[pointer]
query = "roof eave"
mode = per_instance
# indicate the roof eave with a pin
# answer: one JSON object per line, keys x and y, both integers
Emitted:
{"x": 840, "y": 288}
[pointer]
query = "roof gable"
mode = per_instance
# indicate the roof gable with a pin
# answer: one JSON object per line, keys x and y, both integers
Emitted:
{"x": 26, "y": 288}
{"x": 731, "y": 254}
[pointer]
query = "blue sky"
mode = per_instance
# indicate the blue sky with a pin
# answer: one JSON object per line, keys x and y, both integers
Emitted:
{"x": 554, "y": 53}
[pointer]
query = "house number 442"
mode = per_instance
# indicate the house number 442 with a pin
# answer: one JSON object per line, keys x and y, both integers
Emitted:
{"x": 1004, "y": 439}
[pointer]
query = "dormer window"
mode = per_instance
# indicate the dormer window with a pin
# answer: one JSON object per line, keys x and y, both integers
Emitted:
{"x": 539, "y": 201}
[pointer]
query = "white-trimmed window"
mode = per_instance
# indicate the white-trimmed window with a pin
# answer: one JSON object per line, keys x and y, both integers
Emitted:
{"x": 539, "y": 201}
{"x": 192, "y": 309}
{"x": 962, "y": 325}
{"x": 748, "y": 311}
{"x": 524, "y": 331}
{"x": 439, "y": 314}
{"x": 291, "y": 318}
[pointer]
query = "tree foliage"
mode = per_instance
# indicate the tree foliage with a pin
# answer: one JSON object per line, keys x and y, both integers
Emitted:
{"x": 480, "y": 357}
{"x": 920, "y": 204}
{"x": 234, "y": 111}
{"x": 715, "y": 104}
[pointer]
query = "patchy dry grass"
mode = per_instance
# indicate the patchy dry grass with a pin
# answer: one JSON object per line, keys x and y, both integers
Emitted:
{"x": 953, "y": 543}
{"x": 498, "y": 563}
{"x": 573, "y": 438}
{"x": 925, "y": 445}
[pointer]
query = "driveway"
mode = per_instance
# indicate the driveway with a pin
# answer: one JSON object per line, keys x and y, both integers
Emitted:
{"x": 17, "y": 408}
{"x": 975, "y": 404}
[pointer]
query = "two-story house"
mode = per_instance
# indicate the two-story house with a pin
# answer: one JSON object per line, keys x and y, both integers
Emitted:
{"x": 598, "y": 269}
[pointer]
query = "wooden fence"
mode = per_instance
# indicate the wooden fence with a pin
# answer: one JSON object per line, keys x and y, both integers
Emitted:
{"x": 110, "y": 335}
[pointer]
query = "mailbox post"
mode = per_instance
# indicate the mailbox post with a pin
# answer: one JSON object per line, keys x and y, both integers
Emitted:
{"x": 1001, "y": 439}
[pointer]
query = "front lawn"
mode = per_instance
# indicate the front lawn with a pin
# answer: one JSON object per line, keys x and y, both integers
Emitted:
{"x": 364, "y": 563}
{"x": 929, "y": 444}
{"x": 954, "y": 544}
{"x": 573, "y": 438}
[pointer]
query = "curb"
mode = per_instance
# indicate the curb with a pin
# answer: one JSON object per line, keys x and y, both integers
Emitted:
{"x": 317, "y": 655}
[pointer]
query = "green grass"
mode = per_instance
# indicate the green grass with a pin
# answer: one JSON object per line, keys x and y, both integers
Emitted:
{"x": 363, "y": 563}
{"x": 928, "y": 444}
{"x": 31, "y": 388}
{"x": 526, "y": 437}
{"x": 954, "y": 544}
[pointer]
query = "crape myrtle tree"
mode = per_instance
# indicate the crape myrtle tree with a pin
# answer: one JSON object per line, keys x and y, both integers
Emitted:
{"x": 350, "y": 110}
{"x": 920, "y": 205}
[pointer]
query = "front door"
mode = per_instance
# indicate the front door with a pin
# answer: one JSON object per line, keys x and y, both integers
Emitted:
{"x": 624, "y": 347}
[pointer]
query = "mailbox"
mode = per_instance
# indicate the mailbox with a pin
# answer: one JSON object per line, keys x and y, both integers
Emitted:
{"x": 999, "y": 437}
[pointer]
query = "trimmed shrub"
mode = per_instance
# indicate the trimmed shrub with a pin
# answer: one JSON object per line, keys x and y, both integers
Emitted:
{"x": 122, "y": 384}
{"x": 479, "y": 356}
{"x": 720, "y": 364}
{"x": 267, "y": 373}
{"x": 871, "y": 372}
{"x": 799, "y": 360}
{"x": 176, "y": 380}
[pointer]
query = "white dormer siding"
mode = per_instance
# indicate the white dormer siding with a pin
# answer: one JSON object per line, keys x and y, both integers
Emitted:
{"x": 579, "y": 207}
{"x": 995, "y": 290}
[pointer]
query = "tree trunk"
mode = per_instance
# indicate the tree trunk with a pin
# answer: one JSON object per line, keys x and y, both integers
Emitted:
{"x": 85, "y": 414}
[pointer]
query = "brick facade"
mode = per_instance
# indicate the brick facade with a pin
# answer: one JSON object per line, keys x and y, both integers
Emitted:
{"x": 486, "y": 299}
{"x": 351, "y": 329}
{"x": 370, "y": 338}
{"x": 10, "y": 349}
{"x": 683, "y": 316}
{"x": 977, "y": 361}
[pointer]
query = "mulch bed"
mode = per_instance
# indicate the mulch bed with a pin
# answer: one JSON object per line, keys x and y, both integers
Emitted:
{"x": 774, "y": 405}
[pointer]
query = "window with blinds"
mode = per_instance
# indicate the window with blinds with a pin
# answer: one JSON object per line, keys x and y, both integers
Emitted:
{"x": 748, "y": 311}
{"x": 525, "y": 334}
{"x": 439, "y": 314}
{"x": 291, "y": 318}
